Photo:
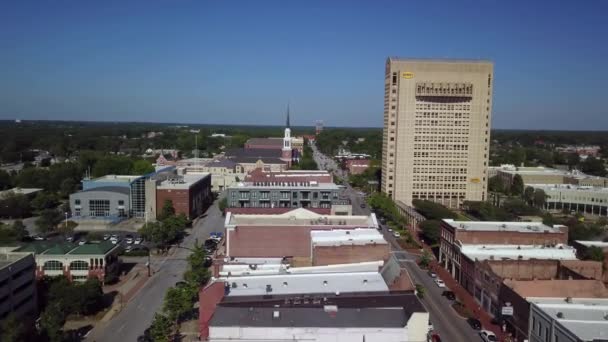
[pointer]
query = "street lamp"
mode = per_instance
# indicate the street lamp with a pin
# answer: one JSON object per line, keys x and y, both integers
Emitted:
{"x": 66, "y": 221}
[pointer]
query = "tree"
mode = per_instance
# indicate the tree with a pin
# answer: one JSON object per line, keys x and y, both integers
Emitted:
{"x": 142, "y": 167}
{"x": 67, "y": 187}
{"x": 48, "y": 220}
{"x": 594, "y": 253}
{"x": 431, "y": 230}
{"x": 594, "y": 166}
{"x": 539, "y": 198}
{"x": 548, "y": 220}
{"x": 167, "y": 210}
{"x": 12, "y": 329}
{"x": 432, "y": 210}
{"x": 178, "y": 302}
{"x": 161, "y": 328}
{"x": 14, "y": 206}
{"x": 197, "y": 274}
{"x": 223, "y": 204}
{"x": 529, "y": 195}
{"x": 20, "y": 230}
{"x": 517, "y": 187}
{"x": 5, "y": 180}
{"x": 573, "y": 160}
{"x": 44, "y": 200}
{"x": 425, "y": 259}
{"x": 495, "y": 184}
{"x": 51, "y": 322}
{"x": 420, "y": 291}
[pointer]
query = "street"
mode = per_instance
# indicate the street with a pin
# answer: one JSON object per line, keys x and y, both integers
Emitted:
{"x": 446, "y": 322}
{"x": 137, "y": 314}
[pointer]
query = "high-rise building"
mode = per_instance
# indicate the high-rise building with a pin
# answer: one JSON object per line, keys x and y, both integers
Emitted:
{"x": 436, "y": 130}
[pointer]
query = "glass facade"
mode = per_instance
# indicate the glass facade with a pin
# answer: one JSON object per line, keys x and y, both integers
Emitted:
{"x": 99, "y": 208}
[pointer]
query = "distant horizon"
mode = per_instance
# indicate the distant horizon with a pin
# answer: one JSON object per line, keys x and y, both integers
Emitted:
{"x": 266, "y": 125}
{"x": 243, "y": 62}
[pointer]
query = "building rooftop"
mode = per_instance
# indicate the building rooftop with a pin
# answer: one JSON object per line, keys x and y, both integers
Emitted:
{"x": 275, "y": 142}
{"x": 222, "y": 162}
{"x": 20, "y": 191}
{"x": 290, "y": 176}
{"x": 94, "y": 248}
{"x": 541, "y": 170}
{"x": 342, "y": 282}
{"x": 518, "y": 252}
{"x": 569, "y": 187}
{"x": 326, "y": 317}
{"x": 119, "y": 189}
{"x": 584, "y": 318}
{"x": 303, "y": 217}
{"x": 183, "y": 181}
{"x": 345, "y": 237}
{"x": 599, "y": 244}
{"x": 556, "y": 288}
{"x": 275, "y": 210}
{"x": 440, "y": 60}
{"x": 236, "y": 270}
{"x": 7, "y": 259}
{"x": 115, "y": 178}
{"x": 312, "y": 185}
{"x": 64, "y": 248}
{"x": 521, "y": 227}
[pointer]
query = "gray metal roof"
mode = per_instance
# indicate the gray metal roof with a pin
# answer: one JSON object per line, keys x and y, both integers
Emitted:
{"x": 310, "y": 317}
{"x": 120, "y": 189}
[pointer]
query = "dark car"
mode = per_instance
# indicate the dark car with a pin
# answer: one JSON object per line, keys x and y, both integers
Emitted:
{"x": 449, "y": 295}
{"x": 474, "y": 323}
{"x": 363, "y": 205}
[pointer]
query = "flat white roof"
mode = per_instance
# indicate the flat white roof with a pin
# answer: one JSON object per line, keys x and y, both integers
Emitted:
{"x": 270, "y": 269}
{"x": 306, "y": 283}
{"x": 301, "y": 217}
{"x": 20, "y": 191}
{"x": 314, "y": 185}
{"x": 509, "y": 226}
{"x": 588, "y": 243}
{"x": 182, "y": 182}
{"x": 514, "y": 252}
{"x": 568, "y": 187}
{"x": 585, "y": 318}
{"x": 341, "y": 237}
{"x": 116, "y": 178}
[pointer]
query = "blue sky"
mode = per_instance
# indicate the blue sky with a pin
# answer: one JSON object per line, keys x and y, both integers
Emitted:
{"x": 239, "y": 62}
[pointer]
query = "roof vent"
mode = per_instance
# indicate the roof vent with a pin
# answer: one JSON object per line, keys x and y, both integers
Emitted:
{"x": 560, "y": 315}
{"x": 268, "y": 288}
{"x": 568, "y": 299}
{"x": 276, "y": 315}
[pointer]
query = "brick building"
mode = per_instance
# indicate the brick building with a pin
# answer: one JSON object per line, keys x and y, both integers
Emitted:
{"x": 189, "y": 193}
{"x": 356, "y": 166}
{"x": 457, "y": 234}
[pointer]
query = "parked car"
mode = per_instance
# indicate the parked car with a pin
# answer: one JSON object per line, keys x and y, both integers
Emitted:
{"x": 474, "y": 323}
{"x": 69, "y": 238}
{"x": 432, "y": 274}
{"x": 106, "y": 236}
{"x": 362, "y": 205}
{"x": 38, "y": 238}
{"x": 82, "y": 242}
{"x": 390, "y": 230}
{"x": 139, "y": 240}
{"x": 439, "y": 282}
{"x": 129, "y": 240}
{"x": 449, "y": 295}
{"x": 487, "y": 336}
{"x": 396, "y": 234}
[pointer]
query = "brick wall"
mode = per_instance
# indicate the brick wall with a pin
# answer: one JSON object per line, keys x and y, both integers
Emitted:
{"x": 331, "y": 255}
{"x": 510, "y": 238}
{"x": 180, "y": 199}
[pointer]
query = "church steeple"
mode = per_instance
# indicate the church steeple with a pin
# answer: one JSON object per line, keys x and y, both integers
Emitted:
{"x": 288, "y": 125}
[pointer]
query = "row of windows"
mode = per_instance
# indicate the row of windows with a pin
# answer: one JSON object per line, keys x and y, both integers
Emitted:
{"x": 280, "y": 205}
{"x": 442, "y": 106}
{"x": 430, "y": 138}
{"x": 448, "y": 147}
{"x": 441, "y": 130}
{"x": 447, "y": 123}
{"x": 77, "y": 202}
{"x": 442, "y": 115}
{"x": 440, "y": 162}
{"x": 440, "y": 170}
{"x": 439, "y": 186}
{"x": 444, "y": 89}
{"x": 438, "y": 195}
{"x": 441, "y": 155}
{"x": 78, "y": 265}
{"x": 441, "y": 178}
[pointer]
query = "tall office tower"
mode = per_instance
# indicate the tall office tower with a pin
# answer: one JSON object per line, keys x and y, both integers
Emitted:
{"x": 436, "y": 130}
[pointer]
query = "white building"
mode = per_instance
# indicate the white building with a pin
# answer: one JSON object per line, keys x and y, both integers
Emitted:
{"x": 568, "y": 320}
{"x": 517, "y": 252}
{"x": 588, "y": 199}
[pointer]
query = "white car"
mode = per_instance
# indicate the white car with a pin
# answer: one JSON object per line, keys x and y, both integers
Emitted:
{"x": 487, "y": 336}
{"x": 129, "y": 240}
{"x": 114, "y": 241}
{"x": 439, "y": 283}
{"x": 396, "y": 234}
{"x": 106, "y": 236}
{"x": 139, "y": 240}
{"x": 38, "y": 238}
{"x": 390, "y": 230}
{"x": 82, "y": 242}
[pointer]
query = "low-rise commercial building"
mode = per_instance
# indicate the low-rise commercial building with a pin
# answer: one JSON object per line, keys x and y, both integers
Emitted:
{"x": 584, "y": 199}
{"x": 290, "y": 189}
{"x": 545, "y": 175}
{"x": 224, "y": 173}
{"x": 75, "y": 262}
{"x": 474, "y": 235}
{"x": 570, "y": 320}
{"x": 348, "y": 302}
{"x": 357, "y": 166}
{"x": 518, "y": 294}
{"x": 17, "y": 284}
{"x": 189, "y": 193}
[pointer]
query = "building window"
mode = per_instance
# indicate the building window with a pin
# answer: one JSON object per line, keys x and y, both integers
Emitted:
{"x": 121, "y": 202}
{"x": 77, "y": 202}
{"x": 79, "y": 265}
{"x": 53, "y": 265}
{"x": 99, "y": 208}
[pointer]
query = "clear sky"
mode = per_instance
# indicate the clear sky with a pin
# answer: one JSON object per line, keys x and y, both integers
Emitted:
{"x": 240, "y": 62}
